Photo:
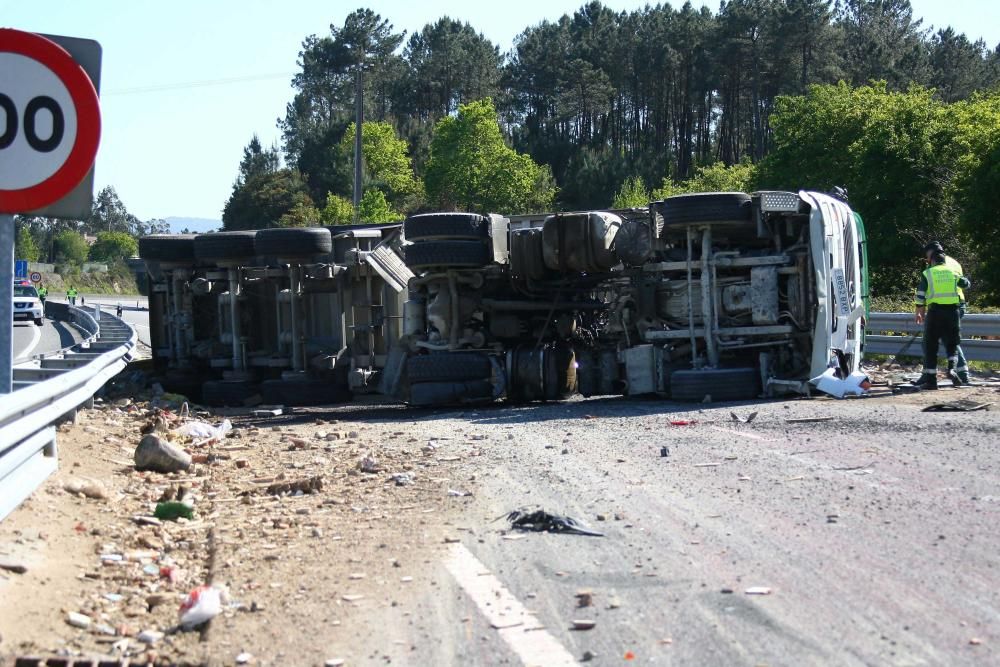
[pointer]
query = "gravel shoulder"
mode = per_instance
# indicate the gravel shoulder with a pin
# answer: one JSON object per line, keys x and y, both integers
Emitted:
{"x": 872, "y": 529}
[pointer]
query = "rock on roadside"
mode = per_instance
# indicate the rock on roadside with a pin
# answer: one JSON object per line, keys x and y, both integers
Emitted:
{"x": 156, "y": 454}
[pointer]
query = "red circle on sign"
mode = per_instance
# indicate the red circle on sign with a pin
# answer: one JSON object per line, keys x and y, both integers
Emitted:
{"x": 88, "y": 122}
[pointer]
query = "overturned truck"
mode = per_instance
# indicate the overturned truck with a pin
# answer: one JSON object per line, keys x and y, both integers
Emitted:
{"x": 714, "y": 296}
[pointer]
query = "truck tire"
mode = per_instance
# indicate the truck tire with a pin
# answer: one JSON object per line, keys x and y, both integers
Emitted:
{"x": 722, "y": 384}
{"x": 447, "y": 254}
{"x": 305, "y": 392}
{"x": 430, "y": 394}
{"x": 293, "y": 242}
{"x": 448, "y": 366}
{"x": 446, "y": 226}
{"x": 224, "y": 245}
{"x": 725, "y": 208}
{"x": 218, "y": 393}
{"x": 167, "y": 247}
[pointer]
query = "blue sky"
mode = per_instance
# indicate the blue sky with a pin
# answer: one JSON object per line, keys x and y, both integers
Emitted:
{"x": 185, "y": 84}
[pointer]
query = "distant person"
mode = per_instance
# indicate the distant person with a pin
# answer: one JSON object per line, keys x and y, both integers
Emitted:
{"x": 937, "y": 309}
{"x": 71, "y": 295}
{"x": 43, "y": 292}
{"x": 962, "y": 369}
{"x": 118, "y": 311}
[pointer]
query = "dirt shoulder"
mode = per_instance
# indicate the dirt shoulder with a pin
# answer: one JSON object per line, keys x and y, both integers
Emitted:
{"x": 307, "y": 574}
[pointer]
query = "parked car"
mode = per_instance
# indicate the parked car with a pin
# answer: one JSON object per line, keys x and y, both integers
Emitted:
{"x": 27, "y": 305}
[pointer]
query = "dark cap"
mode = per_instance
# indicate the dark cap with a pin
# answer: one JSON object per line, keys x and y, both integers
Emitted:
{"x": 938, "y": 257}
{"x": 933, "y": 246}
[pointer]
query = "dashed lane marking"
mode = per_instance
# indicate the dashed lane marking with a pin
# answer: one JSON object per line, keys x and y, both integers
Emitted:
{"x": 513, "y": 622}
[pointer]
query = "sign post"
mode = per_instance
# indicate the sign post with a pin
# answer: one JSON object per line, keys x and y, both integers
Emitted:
{"x": 50, "y": 127}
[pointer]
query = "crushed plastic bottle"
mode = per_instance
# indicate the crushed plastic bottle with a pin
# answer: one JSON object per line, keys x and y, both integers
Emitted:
{"x": 201, "y": 605}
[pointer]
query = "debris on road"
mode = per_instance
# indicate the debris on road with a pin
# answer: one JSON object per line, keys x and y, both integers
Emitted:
{"x": 81, "y": 621}
{"x": 298, "y": 487}
{"x": 542, "y": 521}
{"x": 749, "y": 418}
{"x": 173, "y": 510}
{"x": 583, "y": 624}
{"x": 664, "y": 452}
{"x": 13, "y": 566}
{"x": 197, "y": 430}
{"x": 160, "y": 455}
{"x": 584, "y": 598}
{"x": 809, "y": 420}
{"x": 201, "y": 605}
{"x": 958, "y": 406}
{"x": 683, "y": 422}
{"x": 856, "y": 384}
{"x": 89, "y": 488}
{"x": 758, "y": 590}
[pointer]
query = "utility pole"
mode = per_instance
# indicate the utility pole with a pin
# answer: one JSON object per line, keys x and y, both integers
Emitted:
{"x": 359, "y": 117}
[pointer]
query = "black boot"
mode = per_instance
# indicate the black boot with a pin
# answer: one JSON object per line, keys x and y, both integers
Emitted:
{"x": 927, "y": 381}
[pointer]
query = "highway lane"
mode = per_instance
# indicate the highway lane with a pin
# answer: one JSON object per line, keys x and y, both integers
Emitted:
{"x": 135, "y": 310}
{"x": 53, "y": 335}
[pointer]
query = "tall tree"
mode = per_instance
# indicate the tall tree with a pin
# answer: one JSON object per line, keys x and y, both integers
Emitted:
{"x": 958, "y": 66}
{"x": 883, "y": 42}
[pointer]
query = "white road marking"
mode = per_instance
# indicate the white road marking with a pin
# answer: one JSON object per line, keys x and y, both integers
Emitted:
{"x": 513, "y": 622}
{"x": 742, "y": 434}
{"x": 36, "y": 335}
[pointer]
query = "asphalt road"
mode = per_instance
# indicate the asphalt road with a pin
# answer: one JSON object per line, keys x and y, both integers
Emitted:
{"x": 873, "y": 535}
{"x": 135, "y": 310}
{"x": 30, "y": 340}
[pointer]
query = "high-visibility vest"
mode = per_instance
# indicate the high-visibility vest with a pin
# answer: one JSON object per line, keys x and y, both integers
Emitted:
{"x": 71, "y": 292}
{"x": 952, "y": 264}
{"x": 942, "y": 285}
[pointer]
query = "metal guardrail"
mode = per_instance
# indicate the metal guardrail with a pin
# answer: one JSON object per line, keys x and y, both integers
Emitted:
{"x": 48, "y": 389}
{"x": 975, "y": 349}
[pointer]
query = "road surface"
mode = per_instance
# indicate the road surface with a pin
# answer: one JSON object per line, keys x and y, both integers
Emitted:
{"x": 135, "y": 310}
{"x": 53, "y": 335}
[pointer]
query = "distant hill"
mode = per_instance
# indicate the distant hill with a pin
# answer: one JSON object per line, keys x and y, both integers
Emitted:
{"x": 196, "y": 225}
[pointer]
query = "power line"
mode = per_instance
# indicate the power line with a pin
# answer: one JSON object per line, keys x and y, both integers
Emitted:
{"x": 156, "y": 88}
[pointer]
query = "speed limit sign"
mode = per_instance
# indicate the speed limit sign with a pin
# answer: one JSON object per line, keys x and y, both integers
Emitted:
{"x": 50, "y": 122}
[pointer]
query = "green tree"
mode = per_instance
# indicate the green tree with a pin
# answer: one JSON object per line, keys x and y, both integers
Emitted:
{"x": 113, "y": 247}
{"x": 374, "y": 208}
{"x": 24, "y": 245}
{"x": 893, "y": 151}
{"x": 262, "y": 200}
{"x": 69, "y": 247}
{"x": 303, "y": 214}
{"x": 386, "y": 162}
{"x": 713, "y": 178}
{"x": 471, "y": 168}
{"x": 338, "y": 210}
{"x": 633, "y": 194}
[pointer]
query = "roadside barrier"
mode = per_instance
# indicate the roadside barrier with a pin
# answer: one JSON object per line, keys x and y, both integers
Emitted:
{"x": 49, "y": 389}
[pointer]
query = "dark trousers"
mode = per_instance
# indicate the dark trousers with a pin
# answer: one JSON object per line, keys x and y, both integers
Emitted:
{"x": 941, "y": 326}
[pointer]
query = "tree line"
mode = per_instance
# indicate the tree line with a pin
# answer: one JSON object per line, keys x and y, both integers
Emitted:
{"x": 64, "y": 242}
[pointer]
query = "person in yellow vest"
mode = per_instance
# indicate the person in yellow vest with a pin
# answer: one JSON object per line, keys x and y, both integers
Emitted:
{"x": 43, "y": 292}
{"x": 71, "y": 295}
{"x": 962, "y": 369}
{"x": 937, "y": 303}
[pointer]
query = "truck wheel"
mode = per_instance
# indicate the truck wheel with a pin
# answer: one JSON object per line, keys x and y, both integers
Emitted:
{"x": 305, "y": 392}
{"x": 447, "y": 254}
{"x": 722, "y": 384}
{"x": 233, "y": 394}
{"x": 445, "y": 366}
{"x": 224, "y": 245}
{"x": 723, "y": 208}
{"x": 167, "y": 247}
{"x": 452, "y": 226}
{"x": 293, "y": 242}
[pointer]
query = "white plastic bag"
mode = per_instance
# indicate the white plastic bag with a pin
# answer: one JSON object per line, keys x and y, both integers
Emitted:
{"x": 202, "y": 604}
{"x": 857, "y": 383}
{"x": 202, "y": 430}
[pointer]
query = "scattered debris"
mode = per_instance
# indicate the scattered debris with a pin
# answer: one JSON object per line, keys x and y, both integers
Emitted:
{"x": 243, "y": 658}
{"x": 857, "y": 383}
{"x": 91, "y": 488}
{"x": 541, "y": 520}
{"x": 584, "y": 598}
{"x": 402, "y": 478}
{"x": 741, "y": 420}
{"x": 159, "y": 455}
{"x": 173, "y": 510}
{"x": 149, "y": 636}
{"x": 13, "y": 566}
{"x": 302, "y": 486}
{"x": 459, "y": 494}
{"x": 664, "y": 452}
{"x": 958, "y": 406}
{"x": 266, "y": 411}
{"x": 809, "y": 420}
{"x": 583, "y": 624}
{"x": 78, "y": 620}
{"x": 201, "y": 605}
{"x": 758, "y": 590}
{"x": 197, "y": 430}
{"x": 368, "y": 463}
{"x": 683, "y": 422}
{"x": 708, "y": 465}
